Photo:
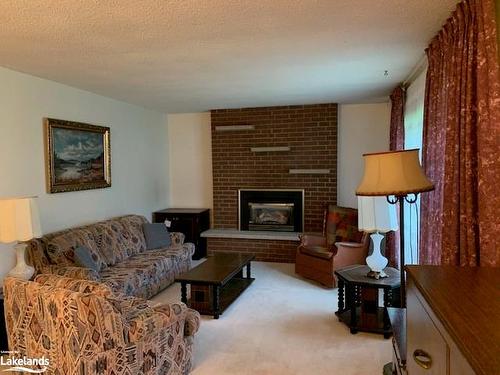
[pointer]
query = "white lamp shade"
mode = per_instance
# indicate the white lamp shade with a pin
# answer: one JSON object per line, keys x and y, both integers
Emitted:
{"x": 19, "y": 220}
{"x": 375, "y": 214}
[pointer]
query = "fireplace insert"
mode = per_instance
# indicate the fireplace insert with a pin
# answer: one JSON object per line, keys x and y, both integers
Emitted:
{"x": 271, "y": 210}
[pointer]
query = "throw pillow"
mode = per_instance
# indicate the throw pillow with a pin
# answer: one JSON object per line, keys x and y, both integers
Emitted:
{"x": 84, "y": 258}
{"x": 156, "y": 235}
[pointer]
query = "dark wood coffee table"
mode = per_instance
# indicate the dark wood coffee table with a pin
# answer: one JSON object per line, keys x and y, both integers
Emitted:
{"x": 216, "y": 283}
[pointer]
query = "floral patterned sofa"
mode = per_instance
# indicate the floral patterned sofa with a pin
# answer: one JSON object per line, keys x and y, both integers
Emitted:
{"x": 119, "y": 247}
{"x": 82, "y": 327}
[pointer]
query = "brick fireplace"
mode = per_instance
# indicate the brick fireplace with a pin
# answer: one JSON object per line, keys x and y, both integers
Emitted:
{"x": 272, "y": 148}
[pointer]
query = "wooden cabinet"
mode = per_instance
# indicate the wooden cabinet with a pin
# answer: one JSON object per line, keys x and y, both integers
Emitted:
{"x": 189, "y": 221}
{"x": 452, "y": 319}
{"x": 427, "y": 348}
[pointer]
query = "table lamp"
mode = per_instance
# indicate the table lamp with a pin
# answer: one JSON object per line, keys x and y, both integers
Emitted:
{"x": 19, "y": 221}
{"x": 398, "y": 176}
{"x": 375, "y": 216}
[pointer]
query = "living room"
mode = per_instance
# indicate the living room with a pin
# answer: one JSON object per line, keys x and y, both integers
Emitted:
{"x": 251, "y": 120}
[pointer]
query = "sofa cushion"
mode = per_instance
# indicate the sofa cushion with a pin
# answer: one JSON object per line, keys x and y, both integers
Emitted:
{"x": 133, "y": 233}
{"x": 145, "y": 274}
{"x": 109, "y": 241}
{"x": 136, "y": 275}
{"x": 61, "y": 248}
{"x": 156, "y": 235}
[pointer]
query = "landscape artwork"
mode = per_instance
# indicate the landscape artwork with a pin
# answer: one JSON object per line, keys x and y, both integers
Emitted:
{"x": 78, "y": 156}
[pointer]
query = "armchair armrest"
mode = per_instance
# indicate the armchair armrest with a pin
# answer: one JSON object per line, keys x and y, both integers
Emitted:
{"x": 193, "y": 320}
{"x": 191, "y": 317}
{"x": 177, "y": 238}
{"x": 72, "y": 271}
{"x": 312, "y": 239}
{"x": 142, "y": 319}
{"x": 349, "y": 244}
{"x": 350, "y": 253}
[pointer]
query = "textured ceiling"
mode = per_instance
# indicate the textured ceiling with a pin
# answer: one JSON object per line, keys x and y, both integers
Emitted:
{"x": 195, "y": 55}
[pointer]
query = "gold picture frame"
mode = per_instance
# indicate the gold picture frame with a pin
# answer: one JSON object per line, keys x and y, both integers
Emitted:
{"x": 77, "y": 155}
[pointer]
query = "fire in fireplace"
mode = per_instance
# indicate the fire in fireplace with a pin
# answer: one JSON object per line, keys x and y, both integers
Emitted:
{"x": 271, "y": 210}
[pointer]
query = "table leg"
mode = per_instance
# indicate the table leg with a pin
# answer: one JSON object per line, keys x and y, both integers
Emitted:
{"x": 341, "y": 305}
{"x": 249, "y": 273}
{"x": 353, "y": 325}
{"x": 183, "y": 292}
{"x": 387, "y": 323}
{"x": 216, "y": 302}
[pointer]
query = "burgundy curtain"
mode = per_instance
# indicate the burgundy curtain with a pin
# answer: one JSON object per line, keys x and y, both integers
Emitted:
{"x": 461, "y": 218}
{"x": 396, "y": 142}
{"x": 397, "y": 130}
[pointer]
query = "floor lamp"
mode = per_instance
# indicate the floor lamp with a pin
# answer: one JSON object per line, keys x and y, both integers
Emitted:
{"x": 398, "y": 176}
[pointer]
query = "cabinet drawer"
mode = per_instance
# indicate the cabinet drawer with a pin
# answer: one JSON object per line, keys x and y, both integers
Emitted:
{"x": 427, "y": 349}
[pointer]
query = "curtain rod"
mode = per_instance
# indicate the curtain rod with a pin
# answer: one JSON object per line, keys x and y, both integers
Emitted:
{"x": 419, "y": 67}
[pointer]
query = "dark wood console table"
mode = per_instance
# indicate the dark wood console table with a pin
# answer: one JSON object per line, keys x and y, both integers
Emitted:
{"x": 190, "y": 221}
{"x": 358, "y": 305}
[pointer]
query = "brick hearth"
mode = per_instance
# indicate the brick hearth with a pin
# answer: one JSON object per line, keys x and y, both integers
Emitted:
{"x": 310, "y": 133}
{"x": 264, "y": 250}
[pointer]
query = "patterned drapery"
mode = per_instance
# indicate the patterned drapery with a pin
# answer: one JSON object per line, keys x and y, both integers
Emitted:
{"x": 397, "y": 130}
{"x": 396, "y": 142}
{"x": 461, "y": 218}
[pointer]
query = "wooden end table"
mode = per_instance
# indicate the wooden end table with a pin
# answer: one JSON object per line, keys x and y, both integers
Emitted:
{"x": 358, "y": 300}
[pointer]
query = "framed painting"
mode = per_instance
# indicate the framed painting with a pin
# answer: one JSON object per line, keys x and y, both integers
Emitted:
{"x": 78, "y": 156}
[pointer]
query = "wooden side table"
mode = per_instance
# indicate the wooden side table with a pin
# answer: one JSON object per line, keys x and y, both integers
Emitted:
{"x": 358, "y": 299}
{"x": 189, "y": 221}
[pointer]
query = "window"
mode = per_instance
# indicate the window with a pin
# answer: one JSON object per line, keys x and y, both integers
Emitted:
{"x": 414, "y": 119}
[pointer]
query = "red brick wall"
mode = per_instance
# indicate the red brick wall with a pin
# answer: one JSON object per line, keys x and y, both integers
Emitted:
{"x": 311, "y": 133}
{"x": 264, "y": 250}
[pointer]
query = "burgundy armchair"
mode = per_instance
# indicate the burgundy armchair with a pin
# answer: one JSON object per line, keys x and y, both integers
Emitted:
{"x": 339, "y": 245}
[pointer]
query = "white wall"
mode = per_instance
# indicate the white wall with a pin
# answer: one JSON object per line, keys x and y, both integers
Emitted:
{"x": 190, "y": 159}
{"x": 138, "y": 153}
{"x": 362, "y": 128}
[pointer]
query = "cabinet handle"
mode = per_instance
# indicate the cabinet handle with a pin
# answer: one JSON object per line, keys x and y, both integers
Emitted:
{"x": 422, "y": 358}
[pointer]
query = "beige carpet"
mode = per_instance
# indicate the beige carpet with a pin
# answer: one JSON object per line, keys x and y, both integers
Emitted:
{"x": 283, "y": 324}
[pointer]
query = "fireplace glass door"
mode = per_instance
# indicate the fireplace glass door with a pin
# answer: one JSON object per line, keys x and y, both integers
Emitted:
{"x": 271, "y": 216}
{"x": 271, "y": 210}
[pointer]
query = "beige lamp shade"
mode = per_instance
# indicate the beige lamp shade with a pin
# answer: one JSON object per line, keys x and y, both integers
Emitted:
{"x": 375, "y": 214}
{"x": 393, "y": 173}
{"x": 19, "y": 220}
